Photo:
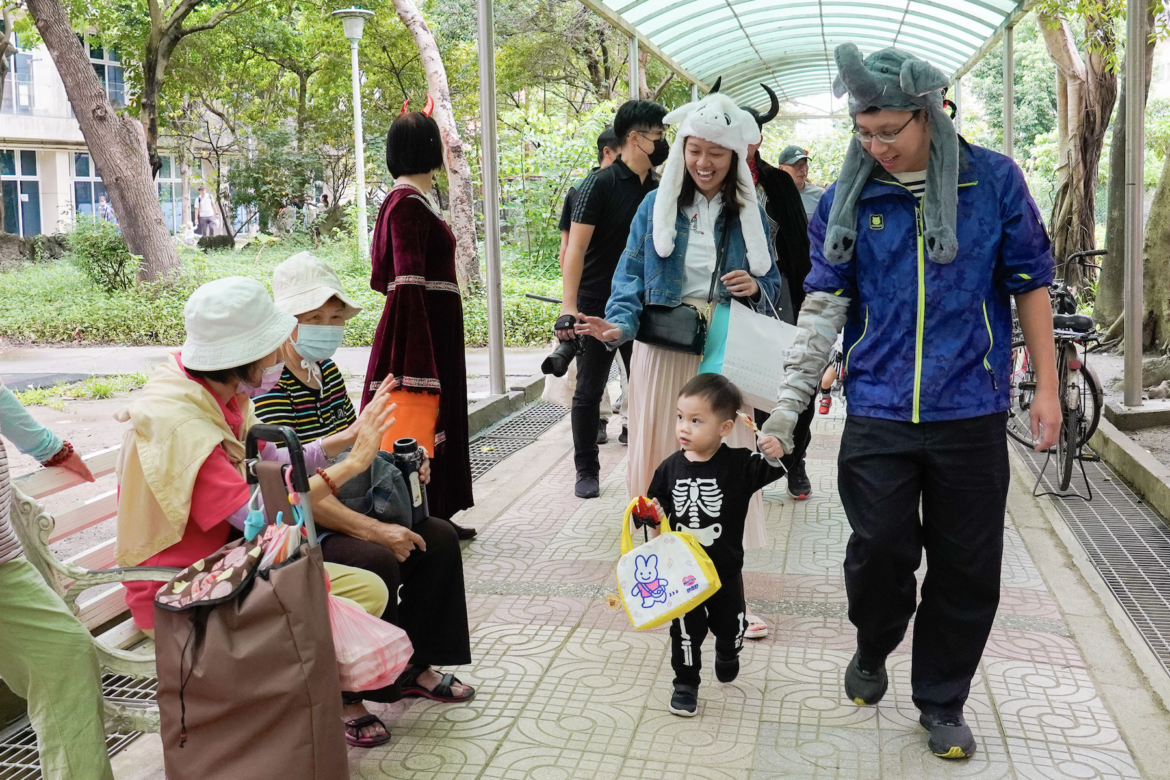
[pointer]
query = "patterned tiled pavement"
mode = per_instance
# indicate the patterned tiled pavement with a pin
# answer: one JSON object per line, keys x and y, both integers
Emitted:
{"x": 568, "y": 690}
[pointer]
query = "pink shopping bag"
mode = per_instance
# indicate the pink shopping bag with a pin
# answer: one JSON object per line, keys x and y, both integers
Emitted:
{"x": 371, "y": 653}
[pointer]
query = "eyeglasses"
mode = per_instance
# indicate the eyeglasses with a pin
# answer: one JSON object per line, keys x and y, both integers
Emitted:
{"x": 885, "y": 138}
{"x": 651, "y": 135}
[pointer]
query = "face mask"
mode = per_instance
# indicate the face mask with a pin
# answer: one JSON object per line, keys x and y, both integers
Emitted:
{"x": 660, "y": 153}
{"x": 267, "y": 382}
{"x": 317, "y": 342}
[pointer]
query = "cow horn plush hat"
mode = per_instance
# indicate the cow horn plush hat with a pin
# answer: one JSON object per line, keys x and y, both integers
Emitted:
{"x": 718, "y": 120}
{"x": 894, "y": 80}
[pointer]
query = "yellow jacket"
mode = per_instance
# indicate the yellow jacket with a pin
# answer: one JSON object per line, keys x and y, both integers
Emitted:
{"x": 176, "y": 424}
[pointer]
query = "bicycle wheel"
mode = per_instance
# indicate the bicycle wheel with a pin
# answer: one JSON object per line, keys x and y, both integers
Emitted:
{"x": 1066, "y": 445}
{"x": 1023, "y": 390}
{"x": 1092, "y": 399}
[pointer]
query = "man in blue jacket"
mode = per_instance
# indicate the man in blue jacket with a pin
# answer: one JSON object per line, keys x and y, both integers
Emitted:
{"x": 917, "y": 251}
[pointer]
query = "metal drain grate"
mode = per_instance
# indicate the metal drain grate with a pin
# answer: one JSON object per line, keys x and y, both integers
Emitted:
{"x": 18, "y": 748}
{"x": 514, "y": 433}
{"x": 1128, "y": 543}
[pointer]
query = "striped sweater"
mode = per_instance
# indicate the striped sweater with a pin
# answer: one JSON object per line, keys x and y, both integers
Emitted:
{"x": 311, "y": 413}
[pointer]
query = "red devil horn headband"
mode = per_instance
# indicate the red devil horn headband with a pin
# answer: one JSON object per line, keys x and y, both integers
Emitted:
{"x": 428, "y": 107}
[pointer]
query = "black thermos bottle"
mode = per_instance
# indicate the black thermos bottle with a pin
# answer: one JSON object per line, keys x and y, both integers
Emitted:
{"x": 408, "y": 456}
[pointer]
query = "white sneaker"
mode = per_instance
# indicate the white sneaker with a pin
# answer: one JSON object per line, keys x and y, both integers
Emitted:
{"x": 757, "y": 628}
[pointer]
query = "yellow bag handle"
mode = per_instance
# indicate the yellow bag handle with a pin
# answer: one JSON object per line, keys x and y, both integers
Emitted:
{"x": 627, "y": 535}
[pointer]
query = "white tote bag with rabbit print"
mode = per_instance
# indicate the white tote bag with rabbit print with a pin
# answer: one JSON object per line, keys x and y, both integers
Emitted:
{"x": 664, "y": 578}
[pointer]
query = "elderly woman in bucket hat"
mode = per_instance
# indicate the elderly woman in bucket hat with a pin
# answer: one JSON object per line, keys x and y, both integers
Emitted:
{"x": 419, "y": 561}
{"x": 182, "y": 490}
{"x": 917, "y": 251}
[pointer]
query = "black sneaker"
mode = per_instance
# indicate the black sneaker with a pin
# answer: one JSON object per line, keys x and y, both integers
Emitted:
{"x": 950, "y": 736}
{"x": 726, "y": 669}
{"x": 685, "y": 701}
{"x": 625, "y": 437}
{"x": 602, "y": 433}
{"x": 863, "y": 686}
{"x": 799, "y": 486}
{"x": 588, "y": 486}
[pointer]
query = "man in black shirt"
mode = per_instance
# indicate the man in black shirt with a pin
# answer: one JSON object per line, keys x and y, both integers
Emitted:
{"x": 608, "y": 148}
{"x": 605, "y": 206}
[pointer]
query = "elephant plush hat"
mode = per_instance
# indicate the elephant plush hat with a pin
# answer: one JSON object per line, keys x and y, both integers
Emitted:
{"x": 718, "y": 120}
{"x": 891, "y": 79}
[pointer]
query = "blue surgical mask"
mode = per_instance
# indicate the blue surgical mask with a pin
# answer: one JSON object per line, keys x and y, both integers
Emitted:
{"x": 317, "y": 342}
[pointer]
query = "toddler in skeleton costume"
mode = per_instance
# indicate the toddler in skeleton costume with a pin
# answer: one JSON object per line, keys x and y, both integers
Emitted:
{"x": 704, "y": 489}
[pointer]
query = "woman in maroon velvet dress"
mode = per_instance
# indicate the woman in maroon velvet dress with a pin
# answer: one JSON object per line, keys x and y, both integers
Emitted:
{"x": 420, "y": 336}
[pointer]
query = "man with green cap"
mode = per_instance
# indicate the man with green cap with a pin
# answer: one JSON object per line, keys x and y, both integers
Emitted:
{"x": 918, "y": 250}
{"x": 794, "y": 161}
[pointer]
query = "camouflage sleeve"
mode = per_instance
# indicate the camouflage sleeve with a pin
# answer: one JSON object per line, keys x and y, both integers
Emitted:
{"x": 821, "y": 318}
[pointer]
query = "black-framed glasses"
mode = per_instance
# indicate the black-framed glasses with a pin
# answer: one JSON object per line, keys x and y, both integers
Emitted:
{"x": 885, "y": 138}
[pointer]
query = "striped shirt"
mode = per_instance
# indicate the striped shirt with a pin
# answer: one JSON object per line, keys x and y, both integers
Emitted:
{"x": 915, "y": 181}
{"x": 311, "y": 413}
{"x": 9, "y": 544}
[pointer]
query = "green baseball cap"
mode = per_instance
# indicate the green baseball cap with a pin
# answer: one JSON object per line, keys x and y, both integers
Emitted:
{"x": 792, "y": 155}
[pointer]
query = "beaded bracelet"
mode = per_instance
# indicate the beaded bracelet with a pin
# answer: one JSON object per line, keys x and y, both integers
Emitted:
{"x": 62, "y": 455}
{"x": 329, "y": 482}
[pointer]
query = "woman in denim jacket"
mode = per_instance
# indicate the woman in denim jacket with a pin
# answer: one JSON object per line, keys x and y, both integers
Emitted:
{"x": 670, "y": 258}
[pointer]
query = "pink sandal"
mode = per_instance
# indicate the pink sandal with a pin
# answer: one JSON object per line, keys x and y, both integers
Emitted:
{"x": 756, "y": 629}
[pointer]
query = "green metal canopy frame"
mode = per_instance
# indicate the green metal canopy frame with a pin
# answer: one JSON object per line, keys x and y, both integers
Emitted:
{"x": 788, "y": 44}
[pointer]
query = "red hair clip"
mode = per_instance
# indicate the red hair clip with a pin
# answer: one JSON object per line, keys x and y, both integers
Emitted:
{"x": 404, "y": 105}
{"x": 429, "y": 106}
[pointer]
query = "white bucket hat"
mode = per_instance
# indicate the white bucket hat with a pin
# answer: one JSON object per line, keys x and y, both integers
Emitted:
{"x": 304, "y": 282}
{"x": 232, "y": 322}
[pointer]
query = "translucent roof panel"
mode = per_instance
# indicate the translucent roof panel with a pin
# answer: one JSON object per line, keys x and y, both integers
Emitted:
{"x": 788, "y": 44}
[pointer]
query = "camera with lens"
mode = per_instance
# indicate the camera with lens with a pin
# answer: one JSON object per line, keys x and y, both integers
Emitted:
{"x": 558, "y": 362}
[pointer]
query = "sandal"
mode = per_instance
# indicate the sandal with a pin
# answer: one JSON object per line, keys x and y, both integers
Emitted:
{"x": 756, "y": 628}
{"x": 353, "y": 731}
{"x": 441, "y": 692}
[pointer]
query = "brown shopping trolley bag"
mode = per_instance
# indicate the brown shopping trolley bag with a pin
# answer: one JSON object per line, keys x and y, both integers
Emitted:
{"x": 247, "y": 674}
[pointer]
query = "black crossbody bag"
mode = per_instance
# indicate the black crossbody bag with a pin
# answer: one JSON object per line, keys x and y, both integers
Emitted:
{"x": 682, "y": 328}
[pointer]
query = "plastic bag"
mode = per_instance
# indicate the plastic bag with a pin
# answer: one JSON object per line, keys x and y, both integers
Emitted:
{"x": 371, "y": 653}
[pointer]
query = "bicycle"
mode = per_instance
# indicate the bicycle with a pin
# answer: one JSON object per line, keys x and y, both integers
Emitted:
{"x": 1079, "y": 390}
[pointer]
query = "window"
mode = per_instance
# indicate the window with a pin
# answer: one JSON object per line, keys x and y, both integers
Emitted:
{"x": 16, "y": 97}
{"x": 170, "y": 192}
{"x": 87, "y": 185}
{"x": 108, "y": 67}
{"x": 21, "y": 191}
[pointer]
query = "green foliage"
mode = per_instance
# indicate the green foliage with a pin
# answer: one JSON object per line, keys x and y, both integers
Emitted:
{"x": 1034, "y": 96}
{"x": 100, "y": 252}
{"x": 270, "y": 179}
{"x": 94, "y": 387}
{"x": 542, "y": 157}
{"x": 53, "y": 303}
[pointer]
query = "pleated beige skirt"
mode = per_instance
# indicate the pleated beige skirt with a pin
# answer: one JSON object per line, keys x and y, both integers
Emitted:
{"x": 656, "y": 377}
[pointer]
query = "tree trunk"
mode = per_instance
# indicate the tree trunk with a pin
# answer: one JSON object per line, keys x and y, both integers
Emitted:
{"x": 116, "y": 144}
{"x": 458, "y": 171}
{"x": 1108, "y": 306}
{"x": 1156, "y": 248}
{"x": 643, "y": 64}
{"x": 1085, "y": 96}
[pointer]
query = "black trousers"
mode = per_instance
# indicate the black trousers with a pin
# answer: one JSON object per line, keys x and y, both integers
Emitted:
{"x": 724, "y": 615}
{"x": 957, "y": 471}
{"x": 593, "y": 366}
{"x": 427, "y": 599}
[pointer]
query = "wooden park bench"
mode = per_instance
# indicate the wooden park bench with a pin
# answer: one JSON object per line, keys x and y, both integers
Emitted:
{"x": 121, "y": 646}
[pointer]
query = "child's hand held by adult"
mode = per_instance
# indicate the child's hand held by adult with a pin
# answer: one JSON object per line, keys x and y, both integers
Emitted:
{"x": 770, "y": 446}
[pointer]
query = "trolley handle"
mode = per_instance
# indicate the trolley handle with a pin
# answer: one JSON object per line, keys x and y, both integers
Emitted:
{"x": 279, "y": 434}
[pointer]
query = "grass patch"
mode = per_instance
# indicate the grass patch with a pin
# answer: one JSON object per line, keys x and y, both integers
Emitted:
{"x": 95, "y": 388}
{"x": 58, "y": 303}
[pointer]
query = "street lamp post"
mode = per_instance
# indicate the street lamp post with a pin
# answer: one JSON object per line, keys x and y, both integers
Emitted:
{"x": 352, "y": 22}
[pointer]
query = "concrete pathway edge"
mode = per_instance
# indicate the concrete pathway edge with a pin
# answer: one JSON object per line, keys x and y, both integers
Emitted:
{"x": 1129, "y": 677}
